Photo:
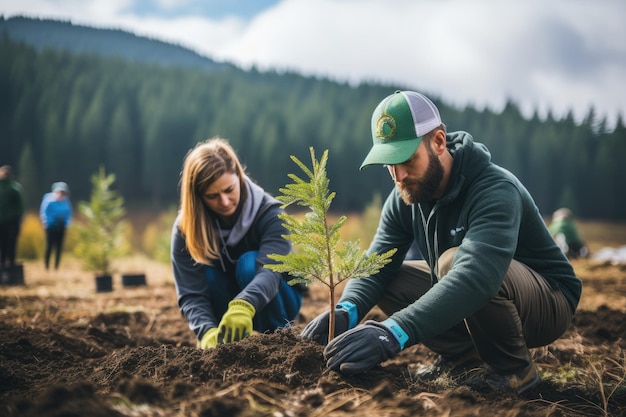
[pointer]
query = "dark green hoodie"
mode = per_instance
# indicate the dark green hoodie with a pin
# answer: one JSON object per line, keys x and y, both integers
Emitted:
{"x": 490, "y": 216}
{"x": 11, "y": 201}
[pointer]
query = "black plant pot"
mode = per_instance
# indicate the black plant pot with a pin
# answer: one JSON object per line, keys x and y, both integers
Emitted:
{"x": 133, "y": 280}
{"x": 104, "y": 283}
{"x": 12, "y": 275}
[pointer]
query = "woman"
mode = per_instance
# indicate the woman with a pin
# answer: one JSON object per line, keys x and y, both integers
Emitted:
{"x": 225, "y": 228}
{"x": 55, "y": 213}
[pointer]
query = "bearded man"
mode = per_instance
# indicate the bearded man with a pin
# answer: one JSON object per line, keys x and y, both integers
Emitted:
{"x": 493, "y": 283}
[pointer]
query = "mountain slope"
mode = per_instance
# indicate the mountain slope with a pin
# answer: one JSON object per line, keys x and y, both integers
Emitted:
{"x": 61, "y": 35}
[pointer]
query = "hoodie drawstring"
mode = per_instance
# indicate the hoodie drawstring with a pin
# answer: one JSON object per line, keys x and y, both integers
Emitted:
{"x": 433, "y": 251}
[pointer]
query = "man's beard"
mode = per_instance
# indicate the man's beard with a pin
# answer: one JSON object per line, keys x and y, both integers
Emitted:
{"x": 415, "y": 190}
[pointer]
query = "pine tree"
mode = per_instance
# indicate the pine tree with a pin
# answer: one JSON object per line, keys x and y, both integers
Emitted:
{"x": 319, "y": 255}
{"x": 101, "y": 237}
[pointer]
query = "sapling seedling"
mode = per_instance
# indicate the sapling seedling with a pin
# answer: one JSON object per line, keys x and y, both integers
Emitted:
{"x": 319, "y": 255}
{"x": 101, "y": 236}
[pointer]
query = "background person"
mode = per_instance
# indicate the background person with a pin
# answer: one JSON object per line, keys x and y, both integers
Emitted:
{"x": 493, "y": 283}
{"x": 565, "y": 232}
{"x": 225, "y": 228}
{"x": 11, "y": 213}
{"x": 55, "y": 213}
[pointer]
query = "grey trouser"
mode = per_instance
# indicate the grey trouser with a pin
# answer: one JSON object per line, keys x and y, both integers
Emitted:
{"x": 525, "y": 313}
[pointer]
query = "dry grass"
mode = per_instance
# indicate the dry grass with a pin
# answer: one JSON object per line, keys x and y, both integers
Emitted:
{"x": 592, "y": 368}
{"x": 599, "y": 234}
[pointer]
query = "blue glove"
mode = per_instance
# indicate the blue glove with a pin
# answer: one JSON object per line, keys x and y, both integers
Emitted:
{"x": 346, "y": 317}
{"x": 365, "y": 346}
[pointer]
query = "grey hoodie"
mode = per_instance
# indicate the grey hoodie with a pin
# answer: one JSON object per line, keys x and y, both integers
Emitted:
{"x": 257, "y": 228}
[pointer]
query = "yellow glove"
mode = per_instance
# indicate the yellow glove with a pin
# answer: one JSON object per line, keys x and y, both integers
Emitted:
{"x": 236, "y": 322}
{"x": 209, "y": 339}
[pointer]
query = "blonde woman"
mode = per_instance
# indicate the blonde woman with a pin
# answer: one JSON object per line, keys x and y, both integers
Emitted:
{"x": 225, "y": 228}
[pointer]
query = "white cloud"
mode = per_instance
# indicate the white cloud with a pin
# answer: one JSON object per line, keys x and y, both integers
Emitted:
{"x": 560, "y": 55}
{"x": 196, "y": 32}
{"x": 66, "y": 9}
{"x": 482, "y": 52}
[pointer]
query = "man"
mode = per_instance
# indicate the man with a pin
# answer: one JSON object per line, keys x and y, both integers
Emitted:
{"x": 565, "y": 233}
{"x": 11, "y": 213}
{"x": 492, "y": 284}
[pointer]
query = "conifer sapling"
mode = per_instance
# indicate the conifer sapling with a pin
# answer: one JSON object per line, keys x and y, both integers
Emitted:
{"x": 101, "y": 236}
{"x": 319, "y": 255}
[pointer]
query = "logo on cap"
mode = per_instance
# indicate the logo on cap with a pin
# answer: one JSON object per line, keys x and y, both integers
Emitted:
{"x": 385, "y": 126}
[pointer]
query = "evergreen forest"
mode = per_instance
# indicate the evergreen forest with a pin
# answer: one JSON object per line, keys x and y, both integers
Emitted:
{"x": 65, "y": 114}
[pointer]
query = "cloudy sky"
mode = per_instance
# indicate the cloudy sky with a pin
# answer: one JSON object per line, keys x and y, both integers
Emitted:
{"x": 556, "y": 55}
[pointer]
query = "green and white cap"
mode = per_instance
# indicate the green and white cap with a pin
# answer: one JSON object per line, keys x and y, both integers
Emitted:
{"x": 398, "y": 124}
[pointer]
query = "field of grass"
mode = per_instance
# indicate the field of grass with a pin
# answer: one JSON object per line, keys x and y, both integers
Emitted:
{"x": 66, "y": 349}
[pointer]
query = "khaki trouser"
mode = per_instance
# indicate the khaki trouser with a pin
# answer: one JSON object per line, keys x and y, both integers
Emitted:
{"x": 525, "y": 313}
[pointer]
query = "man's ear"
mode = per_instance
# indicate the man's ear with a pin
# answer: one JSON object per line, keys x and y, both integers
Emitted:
{"x": 438, "y": 141}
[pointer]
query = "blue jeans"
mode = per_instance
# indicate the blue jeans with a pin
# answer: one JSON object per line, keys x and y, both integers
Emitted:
{"x": 279, "y": 312}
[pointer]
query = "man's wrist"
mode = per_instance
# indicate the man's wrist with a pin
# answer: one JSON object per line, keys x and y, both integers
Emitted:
{"x": 397, "y": 331}
{"x": 353, "y": 313}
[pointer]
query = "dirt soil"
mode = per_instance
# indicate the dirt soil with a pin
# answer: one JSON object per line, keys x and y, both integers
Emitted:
{"x": 66, "y": 350}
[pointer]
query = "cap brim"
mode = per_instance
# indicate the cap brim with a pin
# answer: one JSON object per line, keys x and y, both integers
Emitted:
{"x": 391, "y": 153}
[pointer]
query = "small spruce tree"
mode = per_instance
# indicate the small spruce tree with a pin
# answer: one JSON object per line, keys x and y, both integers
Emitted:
{"x": 100, "y": 237}
{"x": 319, "y": 255}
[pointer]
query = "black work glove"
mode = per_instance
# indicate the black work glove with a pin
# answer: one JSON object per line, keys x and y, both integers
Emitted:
{"x": 317, "y": 329}
{"x": 361, "y": 348}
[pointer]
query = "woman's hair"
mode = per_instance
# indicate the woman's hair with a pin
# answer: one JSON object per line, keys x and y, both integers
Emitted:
{"x": 203, "y": 165}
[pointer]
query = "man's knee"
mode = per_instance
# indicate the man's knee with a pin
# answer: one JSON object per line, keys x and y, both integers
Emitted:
{"x": 445, "y": 262}
{"x": 409, "y": 284}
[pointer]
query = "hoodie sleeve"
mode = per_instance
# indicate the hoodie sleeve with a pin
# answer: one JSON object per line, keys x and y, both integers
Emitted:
{"x": 479, "y": 266}
{"x": 192, "y": 287}
{"x": 270, "y": 231}
{"x": 42, "y": 210}
{"x": 68, "y": 212}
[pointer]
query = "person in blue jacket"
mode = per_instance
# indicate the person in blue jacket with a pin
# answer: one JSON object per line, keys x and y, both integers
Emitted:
{"x": 493, "y": 283}
{"x": 225, "y": 228}
{"x": 55, "y": 213}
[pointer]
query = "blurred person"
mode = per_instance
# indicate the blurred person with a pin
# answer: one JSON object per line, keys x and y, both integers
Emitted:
{"x": 55, "y": 213}
{"x": 492, "y": 284}
{"x": 11, "y": 213}
{"x": 225, "y": 228}
{"x": 565, "y": 232}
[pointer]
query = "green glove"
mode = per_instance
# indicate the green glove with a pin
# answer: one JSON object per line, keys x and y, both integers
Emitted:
{"x": 236, "y": 322}
{"x": 209, "y": 339}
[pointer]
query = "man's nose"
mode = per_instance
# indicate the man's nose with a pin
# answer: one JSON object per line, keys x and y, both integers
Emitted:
{"x": 398, "y": 172}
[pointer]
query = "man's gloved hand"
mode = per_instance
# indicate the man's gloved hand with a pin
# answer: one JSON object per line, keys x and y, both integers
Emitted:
{"x": 236, "y": 322}
{"x": 363, "y": 347}
{"x": 317, "y": 329}
{"x": 209, "y": 339}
